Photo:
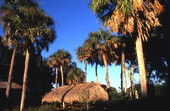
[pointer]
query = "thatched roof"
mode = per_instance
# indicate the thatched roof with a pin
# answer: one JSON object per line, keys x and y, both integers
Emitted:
{"x": 85, "y": 92}
{"x": 13, "y": 85}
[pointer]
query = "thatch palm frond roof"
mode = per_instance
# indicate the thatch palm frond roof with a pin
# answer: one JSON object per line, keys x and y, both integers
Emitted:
{"x": 85, "y": 92}
{"x": 3, "y": 84}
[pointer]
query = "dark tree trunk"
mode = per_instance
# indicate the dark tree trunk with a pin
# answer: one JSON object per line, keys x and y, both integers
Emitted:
{"x": 96, "y": 72}
{"x": 85, "y": 66}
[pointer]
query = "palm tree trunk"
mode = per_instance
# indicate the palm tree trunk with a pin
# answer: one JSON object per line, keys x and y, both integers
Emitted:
{"x": 107, "y": 72}
{"x": 62, "y": 76}
{"x": 56, "y": 76}
{"x": 131, "y": 76}
{"x": 141, "y": 65}
{"x": 85, "y": 66}
{"x": 121, "y": 79}
{"x": 123, "y": 70}
{"x": 124, "y": 80}
{"x": 24, "y": 86}
{"x": 10, "y": 73}
{"x": 96, "y": 72}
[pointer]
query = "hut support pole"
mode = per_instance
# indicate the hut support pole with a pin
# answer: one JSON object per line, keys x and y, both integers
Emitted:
{"x": 64, "y": 106}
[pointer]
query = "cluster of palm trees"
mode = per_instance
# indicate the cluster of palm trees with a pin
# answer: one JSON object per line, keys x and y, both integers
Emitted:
{"x": 102, "y": 48}
{"x": 58, "y": 60}
{"x": 137, "y": 19}
{"x": 62, "y": 60}
{"x": 26, "y": 28}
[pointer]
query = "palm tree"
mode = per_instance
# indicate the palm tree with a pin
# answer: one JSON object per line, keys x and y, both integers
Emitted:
{"x": 117, "y": 46}
{"x": 82, "y": 56}
{"x": 121, "y": 50}
{"x": 133, "y": 18}
{"x": 90, "y": 45}
{"x": 13, "y": 45}
{"x": 61, "y": 58}
{"x": 97, "y": 50}
{"x": 103, "y": 52}
{"x": 53, "y": 62}
{"x": 9, "y": 28}
{"x": 33, "y": 28}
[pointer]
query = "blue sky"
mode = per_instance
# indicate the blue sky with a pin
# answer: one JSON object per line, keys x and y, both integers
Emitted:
{"x": 73, "y": 22}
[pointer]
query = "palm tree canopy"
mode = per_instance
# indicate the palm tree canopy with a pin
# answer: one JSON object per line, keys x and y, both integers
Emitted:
{"x": 98, "y": 43}
{"x": 128, "y": 16}
{"x": 61, "y": 57}
{"x": 91, "y": 44}
{"x": 27, "y": 24}
{"x": 102, "y": 42}
{"x": 80, "y": 52}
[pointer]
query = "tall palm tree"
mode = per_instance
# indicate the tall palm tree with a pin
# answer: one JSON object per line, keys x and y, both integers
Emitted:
{"x": 11, "y": 44}
{"x": 61, "y": 58}
{"x": 8, "y": 25}
{"x": 97, "y": 50}
{"x": 33, "y": 28}
{"x": 133, "y": 18}
{"x": 82, "y": 56}
{"x": 117, "y": 45}
{"x": 52, "y": 61}
{"x": 90, "y": 45}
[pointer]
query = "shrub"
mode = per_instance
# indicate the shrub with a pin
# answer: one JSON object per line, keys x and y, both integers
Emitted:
{"x": 113, "y": 94}
{"x": 45, "y": 107}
